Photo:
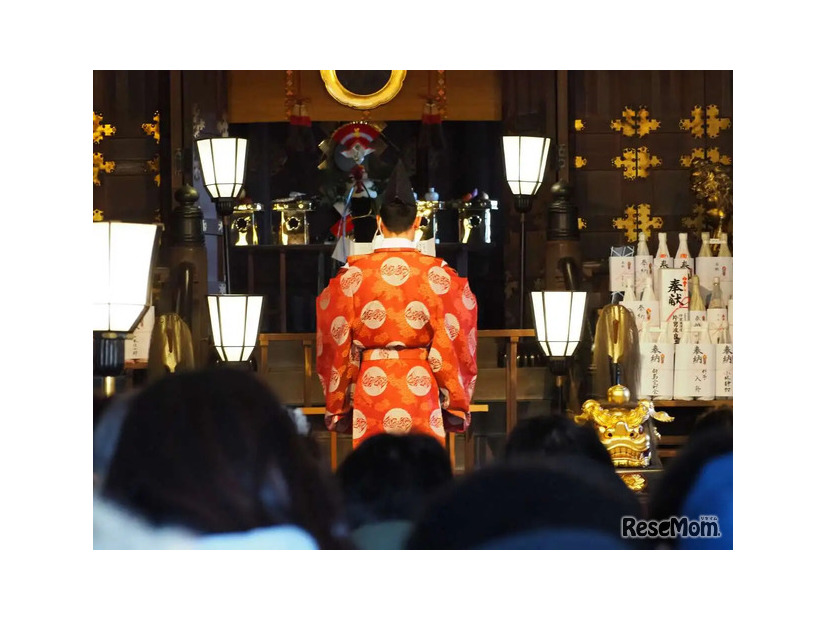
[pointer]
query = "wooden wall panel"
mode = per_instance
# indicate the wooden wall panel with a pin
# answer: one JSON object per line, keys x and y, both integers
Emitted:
{"x": 126, "y": 100}
{"x": 601, "y": 192}
{"x": 258, "y": 97}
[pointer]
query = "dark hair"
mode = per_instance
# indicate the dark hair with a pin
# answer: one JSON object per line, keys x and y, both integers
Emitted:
{"x": 670, "y": 491}
{"x": 390, "y": 477}
{"x": 563, "y": 493}
{"x": 554, "y": 435}
{"x": 397, "y": 216}
{"x": 715, "y": 417}
{"x": 214, "y": 451}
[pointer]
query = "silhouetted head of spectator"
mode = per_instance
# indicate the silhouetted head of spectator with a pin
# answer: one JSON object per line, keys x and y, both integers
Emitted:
{"x": 716, "y": 417}
{"x": 215, "y": 452}
{"x": 554, "y": 435}
{"x": 682, "y": 473}
{"x": 563, "y": 502}
{"x": 390, "y": 477}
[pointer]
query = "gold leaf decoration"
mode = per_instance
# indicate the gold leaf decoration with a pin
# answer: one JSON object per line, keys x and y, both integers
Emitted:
{"x": 695, "y": 123}
{"x": 636, "y": 162}
{"x": 582, "y": 223}
{"x": 637, "y": 219}
{"x": 580, "y": 162}
{"x": 97, "y": 215}
{"x": 646, "y": 161}
{"x": 98, "y": 165}
{"x": 635, "y": 482}
{"x": 628, "y": 161}
{"x": 154, "y": 165}
{"x": 700, "y": 122}
{"x": 99, "y": 130}
{"x": 635, "y": 123}
{"x": 579, "y": 125}
{"x": 153, "y": 129}
{"x": 625, "y": 124}
{"x": 714, "y": 123}
{"x": 713, "y": 155}
{"x": 646, "y": 126}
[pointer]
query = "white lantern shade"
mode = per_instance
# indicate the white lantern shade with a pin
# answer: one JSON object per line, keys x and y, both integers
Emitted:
{"x": 123, "y": 257}
{"x": 558, "y": 317}
{"x": 525, "y": 159}
{"x": 235, "y": 320}
{"x": 223, "y": 162}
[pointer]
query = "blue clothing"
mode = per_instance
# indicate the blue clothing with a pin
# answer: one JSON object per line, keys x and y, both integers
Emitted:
{"x": 712, "y": 494}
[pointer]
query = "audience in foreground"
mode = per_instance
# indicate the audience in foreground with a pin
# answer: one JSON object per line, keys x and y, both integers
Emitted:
{"x": 214, "y": 452}
{"x": 385, "y": 483}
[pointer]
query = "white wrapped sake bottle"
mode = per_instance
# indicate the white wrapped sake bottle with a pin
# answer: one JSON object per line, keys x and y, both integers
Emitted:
{"x": 642, "y": 264}
{"x": 683, "y": 259}
{"x": 656, "y": 363}
{"x": 724, "y": 372}
{"x": 662, "y": 259}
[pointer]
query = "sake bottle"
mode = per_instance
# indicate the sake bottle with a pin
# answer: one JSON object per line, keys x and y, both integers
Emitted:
{"x": 705, "y": 247}
{"x": 642, "y": 263}
{"x": 696, "y": 310}
{"x": 663, "y": 257}
{"x": 724, "y": 250}
{"x": 648, "y": 290}
{"x": 716, "y": 300}
{"x": 682, "y": 259}
{"x": 662, "y": 260}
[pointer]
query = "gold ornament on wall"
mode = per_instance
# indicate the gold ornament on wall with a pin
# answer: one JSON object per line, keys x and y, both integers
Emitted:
{"x": 154, "y": 165}
{"x": 636, "y": 162}
{"x": 580, "y": 162}
{"x": 635, "y": 122}
{"x": 153, "y": 129}
{"x": 97, "y": 215}
{"x": 579, "y": 125}
{"x": 99, "y": 165}
{"x": 713, "y": 155}
{"x": 441, "y": 92}
{"x": 342, "y": 86}
{"x": 638, "y": 219}
{"x": 99, "y": 130}
{"x": 582, "y": 223}
{"x": 708, "y": 123}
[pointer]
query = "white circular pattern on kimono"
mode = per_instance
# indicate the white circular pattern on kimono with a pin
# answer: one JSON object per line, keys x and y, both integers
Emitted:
{"x": 418, "y": 380}
{"x": 324, "y": 299}
{"x": 434, "y": 358}
{"x": 358, "y": 344}
{"x": 437, "y": 423}
{"x": 319, "y": 343}
{"x": 451, "y": 326}
{"x": 373, "y": 314}
{"x": 444, "y": 396}
{"x": 397, "y": 421}
{"x": 335, "y": 379}
{"x": 395, "y": 271}
{"x": 396, "y": 344}
{"x": 359, "y": 424}
{"x": 471, "y": 341}
{"x": 471, "y": 387}
{"x": 416, "y": 314}
{"x": 323, "y": 384}
{"x": 383, "y": 354}
{"x": 339, "y": 329}
{"x": 351, "y": 281}
{"x": 468, "y": 298}
{"x": 374, "y": 381}
{"x": 439, "y": 280}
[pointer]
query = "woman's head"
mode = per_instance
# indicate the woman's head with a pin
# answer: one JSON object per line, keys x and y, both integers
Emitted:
{"x": 213, "y": 450}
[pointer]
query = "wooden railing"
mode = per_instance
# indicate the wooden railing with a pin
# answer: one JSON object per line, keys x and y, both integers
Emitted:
{"x": 315, "y": 408}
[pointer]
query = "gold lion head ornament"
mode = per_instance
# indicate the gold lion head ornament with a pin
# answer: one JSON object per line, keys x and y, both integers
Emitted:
{"x": 622, "y": 428}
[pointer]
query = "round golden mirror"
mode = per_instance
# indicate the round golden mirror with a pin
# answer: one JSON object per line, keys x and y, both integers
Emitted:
{"x": 363, "y": 90}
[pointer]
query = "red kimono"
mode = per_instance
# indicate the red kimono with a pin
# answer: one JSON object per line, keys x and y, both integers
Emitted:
{"x": 396, "y": 345}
